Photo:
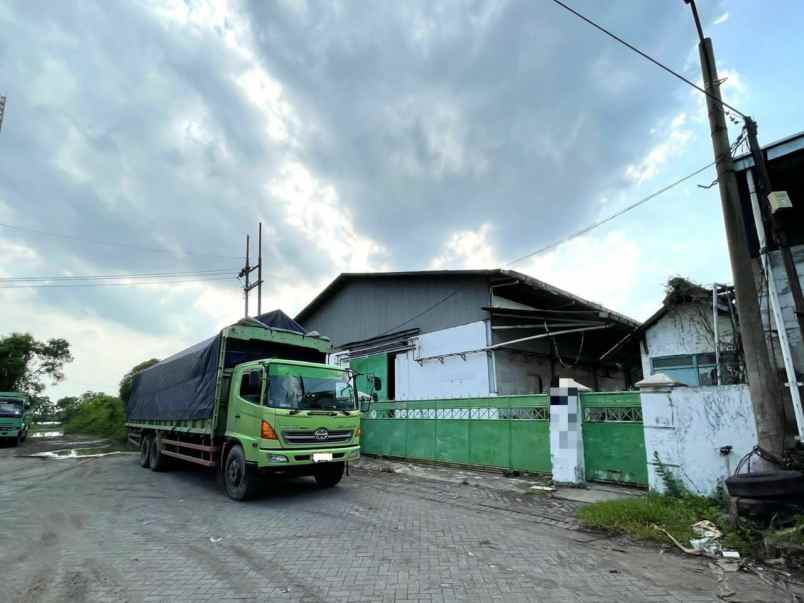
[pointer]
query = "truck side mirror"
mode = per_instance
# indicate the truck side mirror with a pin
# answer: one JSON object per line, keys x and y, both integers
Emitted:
{"x": 377, "y": 382}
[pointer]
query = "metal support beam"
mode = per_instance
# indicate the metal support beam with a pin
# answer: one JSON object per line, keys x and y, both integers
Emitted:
{"x": 543, "y": 335}
{"x": 776, "y": 309}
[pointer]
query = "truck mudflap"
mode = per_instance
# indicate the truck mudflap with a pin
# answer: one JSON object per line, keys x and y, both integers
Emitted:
{"x": 277, "y": 458}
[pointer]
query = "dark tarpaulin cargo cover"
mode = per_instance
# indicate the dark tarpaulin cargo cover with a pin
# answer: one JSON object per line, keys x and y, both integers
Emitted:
{"x": 182, "y": 387}
{"x": 279, "y": 320}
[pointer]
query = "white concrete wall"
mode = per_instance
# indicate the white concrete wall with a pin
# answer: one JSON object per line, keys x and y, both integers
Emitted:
{"x": 450, "y": 377}
{"x": 788, "y": 307}
{"x": 680, "y": 332}
{"x": 687, "y": 426}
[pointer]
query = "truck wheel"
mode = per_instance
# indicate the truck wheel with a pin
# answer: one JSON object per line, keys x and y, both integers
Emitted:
{"x": 328, "y": 475}
{"x": 156, "y": 461}
{"x": 145, "y": 451}
{"x": 239, "y": 479}
{"x": 18, "y": 439}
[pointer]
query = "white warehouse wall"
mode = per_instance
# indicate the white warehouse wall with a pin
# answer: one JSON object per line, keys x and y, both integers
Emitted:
{"x": 445, "y": 377}
{"x": 680, "y": 332}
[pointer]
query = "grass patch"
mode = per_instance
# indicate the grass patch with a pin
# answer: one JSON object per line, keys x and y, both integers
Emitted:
{"x": 99, "y": 415}
{"x": 636, "y": 516}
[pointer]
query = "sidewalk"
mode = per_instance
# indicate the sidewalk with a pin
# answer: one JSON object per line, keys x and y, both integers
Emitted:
{"x": 524, "y": 484}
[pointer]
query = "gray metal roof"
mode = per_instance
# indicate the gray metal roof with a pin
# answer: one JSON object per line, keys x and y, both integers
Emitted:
{"x": 778, "y": 148}
{"x": 341, "y": 280}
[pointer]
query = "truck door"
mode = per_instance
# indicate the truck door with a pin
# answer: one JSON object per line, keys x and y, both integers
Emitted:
{"x": 245, "y": 412}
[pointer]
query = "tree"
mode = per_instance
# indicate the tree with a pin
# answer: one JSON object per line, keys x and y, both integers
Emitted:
{"x": 26, "y": 362}
{"x": 127, "y": 382}
{"x": 67, "y": 407}
{"x": 42, "y": 408}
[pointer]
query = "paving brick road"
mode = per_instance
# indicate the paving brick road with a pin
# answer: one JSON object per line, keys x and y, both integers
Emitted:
{"x": 104, "y": 529}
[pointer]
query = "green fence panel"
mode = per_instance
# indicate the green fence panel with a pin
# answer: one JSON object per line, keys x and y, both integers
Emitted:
{"x": 509, "y": 432}
{"x": 452, "y": 441}
{"x": 490, "y": 443}
{"x": 530, "y": 450}
{"x": 421, "y": 436}
{"x": 614, "y": 438}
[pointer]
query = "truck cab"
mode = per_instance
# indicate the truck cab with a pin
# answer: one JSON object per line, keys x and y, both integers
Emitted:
{"x": 294, "y": 418}
{"x": 15, "y": 416}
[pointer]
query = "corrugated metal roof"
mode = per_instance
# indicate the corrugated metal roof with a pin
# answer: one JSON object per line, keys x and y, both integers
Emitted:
{"x": 534, "y": 283}
{"x": 778, "y": 148}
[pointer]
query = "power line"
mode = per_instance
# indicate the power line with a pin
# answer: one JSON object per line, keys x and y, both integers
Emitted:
{"x": 132, "y": 284}
{"x": 147, "y": 275}
{"x": 564, "y": 240}
{"x": 594, "y": 225}
{"x": 646, "y": 56}
{"x": 116, "y": 243}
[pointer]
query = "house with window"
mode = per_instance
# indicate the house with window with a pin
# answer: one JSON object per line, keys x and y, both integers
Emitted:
{"x": 471, "y": 333}
{"x": 693, "y": 338}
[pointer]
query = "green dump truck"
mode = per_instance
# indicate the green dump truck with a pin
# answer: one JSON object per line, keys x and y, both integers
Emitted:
{"x": 257, "y": 399}
{"x": 15, "y": 417}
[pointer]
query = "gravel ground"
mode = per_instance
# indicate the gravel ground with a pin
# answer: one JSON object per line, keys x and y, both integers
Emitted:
{"x": 104, "y": 529}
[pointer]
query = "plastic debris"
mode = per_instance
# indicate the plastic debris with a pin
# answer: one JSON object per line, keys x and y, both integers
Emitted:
{"x": 709, "y": 535}
{"x": 214, "y": 540}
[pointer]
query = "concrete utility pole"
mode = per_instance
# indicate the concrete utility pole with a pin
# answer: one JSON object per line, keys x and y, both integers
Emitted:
{"x": 248, "y": 269}
{"x": 762, "y": 381}
{"x": 2, "y": 110}
{"x": 259, "y": 272}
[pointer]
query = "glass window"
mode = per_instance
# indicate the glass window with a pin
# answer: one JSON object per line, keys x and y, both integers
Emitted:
{"x": 10, "y": 408}
{"x": 251, "y": 386}
{"x": 672, "y": 361}
{"x": 310, "y": 393}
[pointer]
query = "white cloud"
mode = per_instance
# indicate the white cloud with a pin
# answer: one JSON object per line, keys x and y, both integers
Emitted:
{"x": 603, "y": 269}
{"x": 314, "y": 211}
{"x": 722, "y": 19}
{"x": 675, "y": 139}
{"x": 467, "y": 249}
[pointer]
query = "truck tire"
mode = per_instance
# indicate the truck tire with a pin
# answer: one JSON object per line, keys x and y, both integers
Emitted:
{"x": 766, "y": 484}
{"x": 18, "y": 439}
{"x": 145, "y": 451}
{"x": 239, "y": 478}
{"x": 156, "y": 461}
{"x": 328, "y": 475}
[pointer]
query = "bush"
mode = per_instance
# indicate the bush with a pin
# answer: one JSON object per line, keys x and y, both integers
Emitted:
{"x": 99, "y": 415}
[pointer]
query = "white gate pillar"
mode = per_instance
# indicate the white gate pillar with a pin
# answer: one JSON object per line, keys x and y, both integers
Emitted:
{"x": 566, "y": 437}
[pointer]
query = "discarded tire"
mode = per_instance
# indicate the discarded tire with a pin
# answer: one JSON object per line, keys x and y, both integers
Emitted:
{"x": 767, "y": 484}
{"x": 762, "y": 507}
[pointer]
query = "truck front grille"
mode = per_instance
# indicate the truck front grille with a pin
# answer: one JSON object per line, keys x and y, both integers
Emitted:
{"x": 319, "y": 437}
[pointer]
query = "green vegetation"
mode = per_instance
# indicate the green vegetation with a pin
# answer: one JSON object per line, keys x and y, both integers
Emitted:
{"x": 636, "y": 516}
{"x": 26, "y": 362}
{"x": 99, "y": 414}
{"x": 675, "y": 511}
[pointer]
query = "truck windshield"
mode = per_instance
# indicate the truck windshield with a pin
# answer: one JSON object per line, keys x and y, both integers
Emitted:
{"x": 309, "y": 393}
{"x": 10, "y": 408}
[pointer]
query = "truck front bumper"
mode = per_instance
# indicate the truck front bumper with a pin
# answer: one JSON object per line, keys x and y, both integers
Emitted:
{"x": 277, "y": 458}
{"x": 6, "y": 431}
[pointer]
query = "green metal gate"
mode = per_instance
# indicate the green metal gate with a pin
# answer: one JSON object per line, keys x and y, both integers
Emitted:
{"x": 509, "y": 432}
{"x": 614, "y": 438}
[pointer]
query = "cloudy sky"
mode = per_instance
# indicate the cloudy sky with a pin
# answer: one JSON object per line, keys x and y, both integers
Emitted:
{"x": 150, "y": 137}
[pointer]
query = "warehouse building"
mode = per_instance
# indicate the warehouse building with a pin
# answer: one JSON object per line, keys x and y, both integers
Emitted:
{"x": 464, "y": 333}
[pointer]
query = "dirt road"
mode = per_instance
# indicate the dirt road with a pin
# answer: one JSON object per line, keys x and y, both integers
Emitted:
{"x": 104, "y": 529}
